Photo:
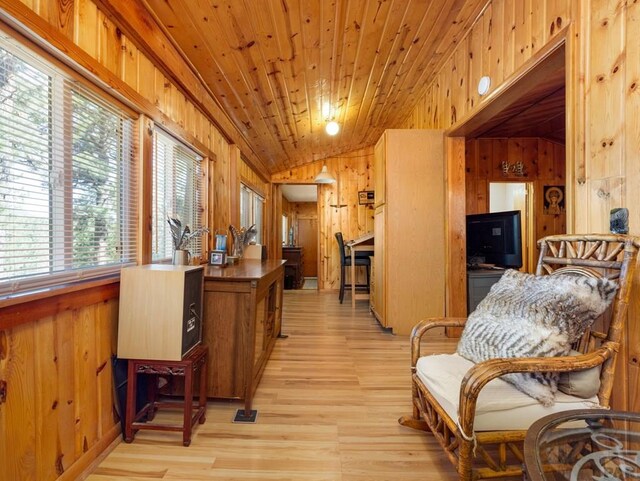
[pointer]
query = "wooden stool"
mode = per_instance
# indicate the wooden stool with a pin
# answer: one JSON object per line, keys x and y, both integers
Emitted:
{"x": 197, "y": 359}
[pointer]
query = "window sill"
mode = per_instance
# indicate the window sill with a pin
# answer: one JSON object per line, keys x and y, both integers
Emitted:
{"x": 30, "y": 306}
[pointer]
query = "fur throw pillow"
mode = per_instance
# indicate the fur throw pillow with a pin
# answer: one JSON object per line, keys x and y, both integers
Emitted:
{"x": 534, "y": 316}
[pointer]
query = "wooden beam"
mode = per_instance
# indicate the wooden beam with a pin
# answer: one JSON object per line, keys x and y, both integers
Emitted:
{"x": 455, "y": 202}
{"x": 135, "y": 20}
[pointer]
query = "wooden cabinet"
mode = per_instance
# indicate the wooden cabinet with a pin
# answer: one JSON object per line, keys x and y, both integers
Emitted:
{"x": 377, "y": 288}
{"x": 293, "y": 270}
{"x": 479, "y": 283}
{"x": 242, "y": 319}
{"x": 409, "y": 282}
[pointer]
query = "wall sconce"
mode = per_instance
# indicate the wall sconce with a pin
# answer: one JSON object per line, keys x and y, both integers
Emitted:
{"x": 324, "y": 177}
{"x": 332, "y": 128}
{"x": 484, "y": 85}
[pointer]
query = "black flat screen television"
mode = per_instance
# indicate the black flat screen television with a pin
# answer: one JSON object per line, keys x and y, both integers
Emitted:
{"x": 495, "y": 238}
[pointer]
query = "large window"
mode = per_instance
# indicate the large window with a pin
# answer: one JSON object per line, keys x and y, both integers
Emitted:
{"x": 67, "y": 179}
{"x": 251, "y": 209}
{"x": 177, "y": 193}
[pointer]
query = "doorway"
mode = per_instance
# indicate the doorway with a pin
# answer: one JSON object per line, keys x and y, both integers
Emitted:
{"x": 300, "y": 209}
{"x": 505, "y": 196}
{"x": 536, "y": 95}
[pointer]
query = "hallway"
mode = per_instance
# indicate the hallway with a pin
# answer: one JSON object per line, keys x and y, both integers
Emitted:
{"x": 328, "y": 405}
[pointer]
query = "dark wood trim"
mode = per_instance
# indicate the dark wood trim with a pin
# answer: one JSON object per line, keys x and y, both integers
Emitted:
{"x": 30, "y": 308}
{"x": 145, "y": 188}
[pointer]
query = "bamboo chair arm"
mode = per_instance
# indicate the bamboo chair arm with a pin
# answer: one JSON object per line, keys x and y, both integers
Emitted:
{"x": 425, "y": 325}
{"x": 480, "y": 374}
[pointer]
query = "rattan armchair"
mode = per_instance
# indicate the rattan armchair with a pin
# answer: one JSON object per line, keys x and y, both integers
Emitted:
{"x": 482, "y": 454}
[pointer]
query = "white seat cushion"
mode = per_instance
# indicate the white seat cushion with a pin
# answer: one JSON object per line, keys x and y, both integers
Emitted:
{"x": 500, "y": 405}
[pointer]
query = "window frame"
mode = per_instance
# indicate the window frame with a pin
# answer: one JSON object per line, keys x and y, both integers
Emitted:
{"x": 253, "y": 197}
{"x": 64, "y": 84}
{"x": 198, "y": 209}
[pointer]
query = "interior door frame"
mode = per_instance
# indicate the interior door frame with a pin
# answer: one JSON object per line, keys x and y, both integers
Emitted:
{"x": 278, "y": 228}
{"x": 561, "y": 50}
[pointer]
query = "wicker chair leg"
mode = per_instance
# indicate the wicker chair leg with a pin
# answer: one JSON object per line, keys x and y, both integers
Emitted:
{"x": 413, "y": 423}
{"x": 465, "y": 460}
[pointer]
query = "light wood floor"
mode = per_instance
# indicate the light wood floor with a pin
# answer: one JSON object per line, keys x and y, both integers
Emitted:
{"x": 328, "y": 406}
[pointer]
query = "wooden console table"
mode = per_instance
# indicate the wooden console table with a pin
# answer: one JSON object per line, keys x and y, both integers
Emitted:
{"x": 242, "y": 319}
{"x": 293, "y": 267}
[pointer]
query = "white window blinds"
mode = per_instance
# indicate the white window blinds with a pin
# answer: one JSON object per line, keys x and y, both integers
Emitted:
{"x": 67, "y": 178}
{"x": 177, "y": 192}
{"x": 251, "y": 210}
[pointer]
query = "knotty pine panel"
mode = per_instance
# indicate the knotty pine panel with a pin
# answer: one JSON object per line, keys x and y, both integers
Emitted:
{"x": 59, "y": 391}
{"x": 339, "y": 210}
{"x": 253, "y": 180}
{"x": 631, "y": 358}
{"x": 543, "y": 159}
{"x": 506, "y": 35}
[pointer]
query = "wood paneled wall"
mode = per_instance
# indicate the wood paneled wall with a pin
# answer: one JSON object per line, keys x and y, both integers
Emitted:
{"x": 59, "y": 407}
{"x": 59, "y": 413}
{"x": 503, "y": 38}
{"x": 603, "y": 100}
{"x": 543, "y": 161}
{"x": 339, "y": 210}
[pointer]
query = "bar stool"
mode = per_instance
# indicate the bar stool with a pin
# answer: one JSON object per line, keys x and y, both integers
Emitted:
{"x": 187, "y": 367}
{"x": 362, "y": 259}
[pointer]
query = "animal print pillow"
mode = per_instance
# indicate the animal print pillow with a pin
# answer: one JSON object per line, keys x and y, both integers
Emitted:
{"x": 534, "y": 316}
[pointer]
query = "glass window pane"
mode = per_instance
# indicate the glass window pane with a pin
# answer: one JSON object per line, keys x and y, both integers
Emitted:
{"x": 177, "y": 193}
{"x": 25, "y": 149}
{"x": 67, "y": 178}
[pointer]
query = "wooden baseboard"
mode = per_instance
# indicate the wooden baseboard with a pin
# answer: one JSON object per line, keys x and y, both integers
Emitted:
{"x": 84, "y": 466}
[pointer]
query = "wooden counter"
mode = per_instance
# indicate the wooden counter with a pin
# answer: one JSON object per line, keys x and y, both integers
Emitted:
{"x": 242, "y": 316}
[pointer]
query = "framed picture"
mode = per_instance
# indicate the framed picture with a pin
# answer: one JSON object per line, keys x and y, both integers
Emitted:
{"x": 218, "y": 258}
{"x": 366, "y": 197}
{"x": 553, "y": 199}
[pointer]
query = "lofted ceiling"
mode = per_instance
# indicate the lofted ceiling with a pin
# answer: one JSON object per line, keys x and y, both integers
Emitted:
{"x": 282, "y": 68}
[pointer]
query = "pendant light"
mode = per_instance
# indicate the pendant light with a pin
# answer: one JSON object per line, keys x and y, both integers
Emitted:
{"x": 324, "y": 177}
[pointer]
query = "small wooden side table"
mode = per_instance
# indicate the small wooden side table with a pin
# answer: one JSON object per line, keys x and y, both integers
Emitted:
{"x": 187, "y": 367}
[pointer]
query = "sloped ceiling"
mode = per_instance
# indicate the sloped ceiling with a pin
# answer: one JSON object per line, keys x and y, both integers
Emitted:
{"x": 282, "y": 68}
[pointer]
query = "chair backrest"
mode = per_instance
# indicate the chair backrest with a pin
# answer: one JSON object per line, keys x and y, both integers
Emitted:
{"x": 341, "y": 248}
{"x": 602, "y": 255}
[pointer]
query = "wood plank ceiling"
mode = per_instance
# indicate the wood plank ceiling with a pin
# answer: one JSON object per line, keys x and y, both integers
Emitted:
{"x": 283, "y": 68}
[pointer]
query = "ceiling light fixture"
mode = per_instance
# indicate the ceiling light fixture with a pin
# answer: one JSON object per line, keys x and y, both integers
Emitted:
{"x": 484, "y": 85}
{"x": 332, "y": 128}
{"x": 324, "y": 177}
